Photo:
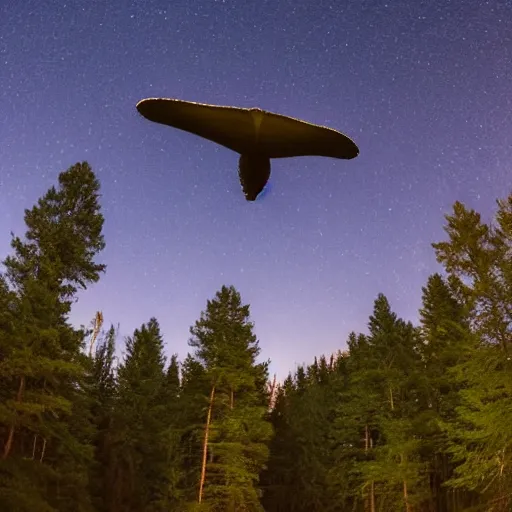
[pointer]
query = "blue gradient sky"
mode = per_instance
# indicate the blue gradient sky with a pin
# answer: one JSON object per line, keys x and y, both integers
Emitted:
{"x": 422, "y": 87}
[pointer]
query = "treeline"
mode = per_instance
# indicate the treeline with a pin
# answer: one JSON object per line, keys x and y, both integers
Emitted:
{"x": 409, "y": 418}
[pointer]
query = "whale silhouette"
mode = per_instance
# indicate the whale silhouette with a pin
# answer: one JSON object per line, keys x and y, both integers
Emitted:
{"x": 257, "y": 135}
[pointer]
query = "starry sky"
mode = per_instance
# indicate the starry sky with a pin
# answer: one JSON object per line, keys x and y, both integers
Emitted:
{"x": 423, "y": 88}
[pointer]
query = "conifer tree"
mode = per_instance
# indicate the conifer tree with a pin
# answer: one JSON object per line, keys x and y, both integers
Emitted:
{"x": 170, "y": 438}
{"x": 41, "y": 366}
{"x": 382, "y": 396}
{"x": 277, "y": 477}
{"x": 478, "y": 260}
{"x": 235, "y": 427}
{"x": 137, "y": 463}
{"x": 102, "y": 390}
{"x": 445, "y": 333}
{"x": 300, "y": 451}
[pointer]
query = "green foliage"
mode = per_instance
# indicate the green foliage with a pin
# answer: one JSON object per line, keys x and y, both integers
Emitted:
{"x": 102, "y": 392}
{"x": 478, "y": 259}
{"x": 41, "y": 368}
{"x": 226, "y": 348}
{"x": 409, "y": 418}
{"x": 419, "y": 417}
{"x": 137, "y": 464}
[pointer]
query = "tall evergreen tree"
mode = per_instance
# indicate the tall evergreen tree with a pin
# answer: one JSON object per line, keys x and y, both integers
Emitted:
{"x": 235, "y": 427}
{"x": 137, "y": 464}
{"x": 102, "y": 391}
{"x": 277, "y": 477}
{"x": 445, "y": 334}
{"x": 300, "y": 457}
{"x": 478, "y": 259}
{"x": 41, "y": 366}
{"x": 383, "y": 394}
{"x": 170, "y": 437}
{"x": 193, "y": 407}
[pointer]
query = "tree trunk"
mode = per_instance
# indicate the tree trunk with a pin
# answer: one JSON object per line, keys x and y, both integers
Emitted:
{"x": 205, "y": 444}
{"x": 97, "y": 323}
{"x": 34, "y": 447}
{"x": 406, "y": 494}
{"x": 406, "y": 498}
{"x": 10, "y": 437}
{"x": 43, "y": 450}
{"x": 370, "y": 500}
{"x": 272, "y": 393}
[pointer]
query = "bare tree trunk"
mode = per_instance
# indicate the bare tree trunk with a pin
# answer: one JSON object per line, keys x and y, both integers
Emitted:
{"x": 392, "y": 403}
{"x": 205, "y": 444}
{"x": 34, "y": 447}
{"x": 43, "y": 450}
{"x": 406, "y": 495}
{"x": 10, "y": 437}
{"x": 272, "y": 393}
{"x": 406, "y": 498}
{"x": 97, "y": 323}
{"x": 231, "y": 400}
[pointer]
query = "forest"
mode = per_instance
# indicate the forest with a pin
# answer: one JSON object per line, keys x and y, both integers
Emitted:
{"x": 406, "y": 417}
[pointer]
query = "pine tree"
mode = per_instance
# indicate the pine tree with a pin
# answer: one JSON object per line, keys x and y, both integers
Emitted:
{"x": 102, "y": 391}
{"x": 357, "y": 422}
{"x": 235, "y": 428}
{"x": 383, "y": 393}
{"x": 170, "y": 438}
{"x": 478, "y": 260}
{"x": 297, "y": 475}
{"x": 137, "y": 464}
{"x": 347, "y": 447}
{"x": 445, "y": 332}
{"x": 45, "y": 454}
{"x": 188, "y": 426}
{"x": 277, "y": 478}
{"x": 8, "y": 305}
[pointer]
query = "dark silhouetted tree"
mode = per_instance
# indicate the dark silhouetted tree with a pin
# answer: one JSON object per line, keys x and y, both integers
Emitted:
{"x": 46, "y": 451}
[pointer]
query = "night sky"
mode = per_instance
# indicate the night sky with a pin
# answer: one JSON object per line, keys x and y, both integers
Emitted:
{"x": 423, "y": 88}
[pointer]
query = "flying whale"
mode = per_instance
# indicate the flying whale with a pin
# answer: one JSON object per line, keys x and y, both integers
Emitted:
{"x": 256, "y": 135}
